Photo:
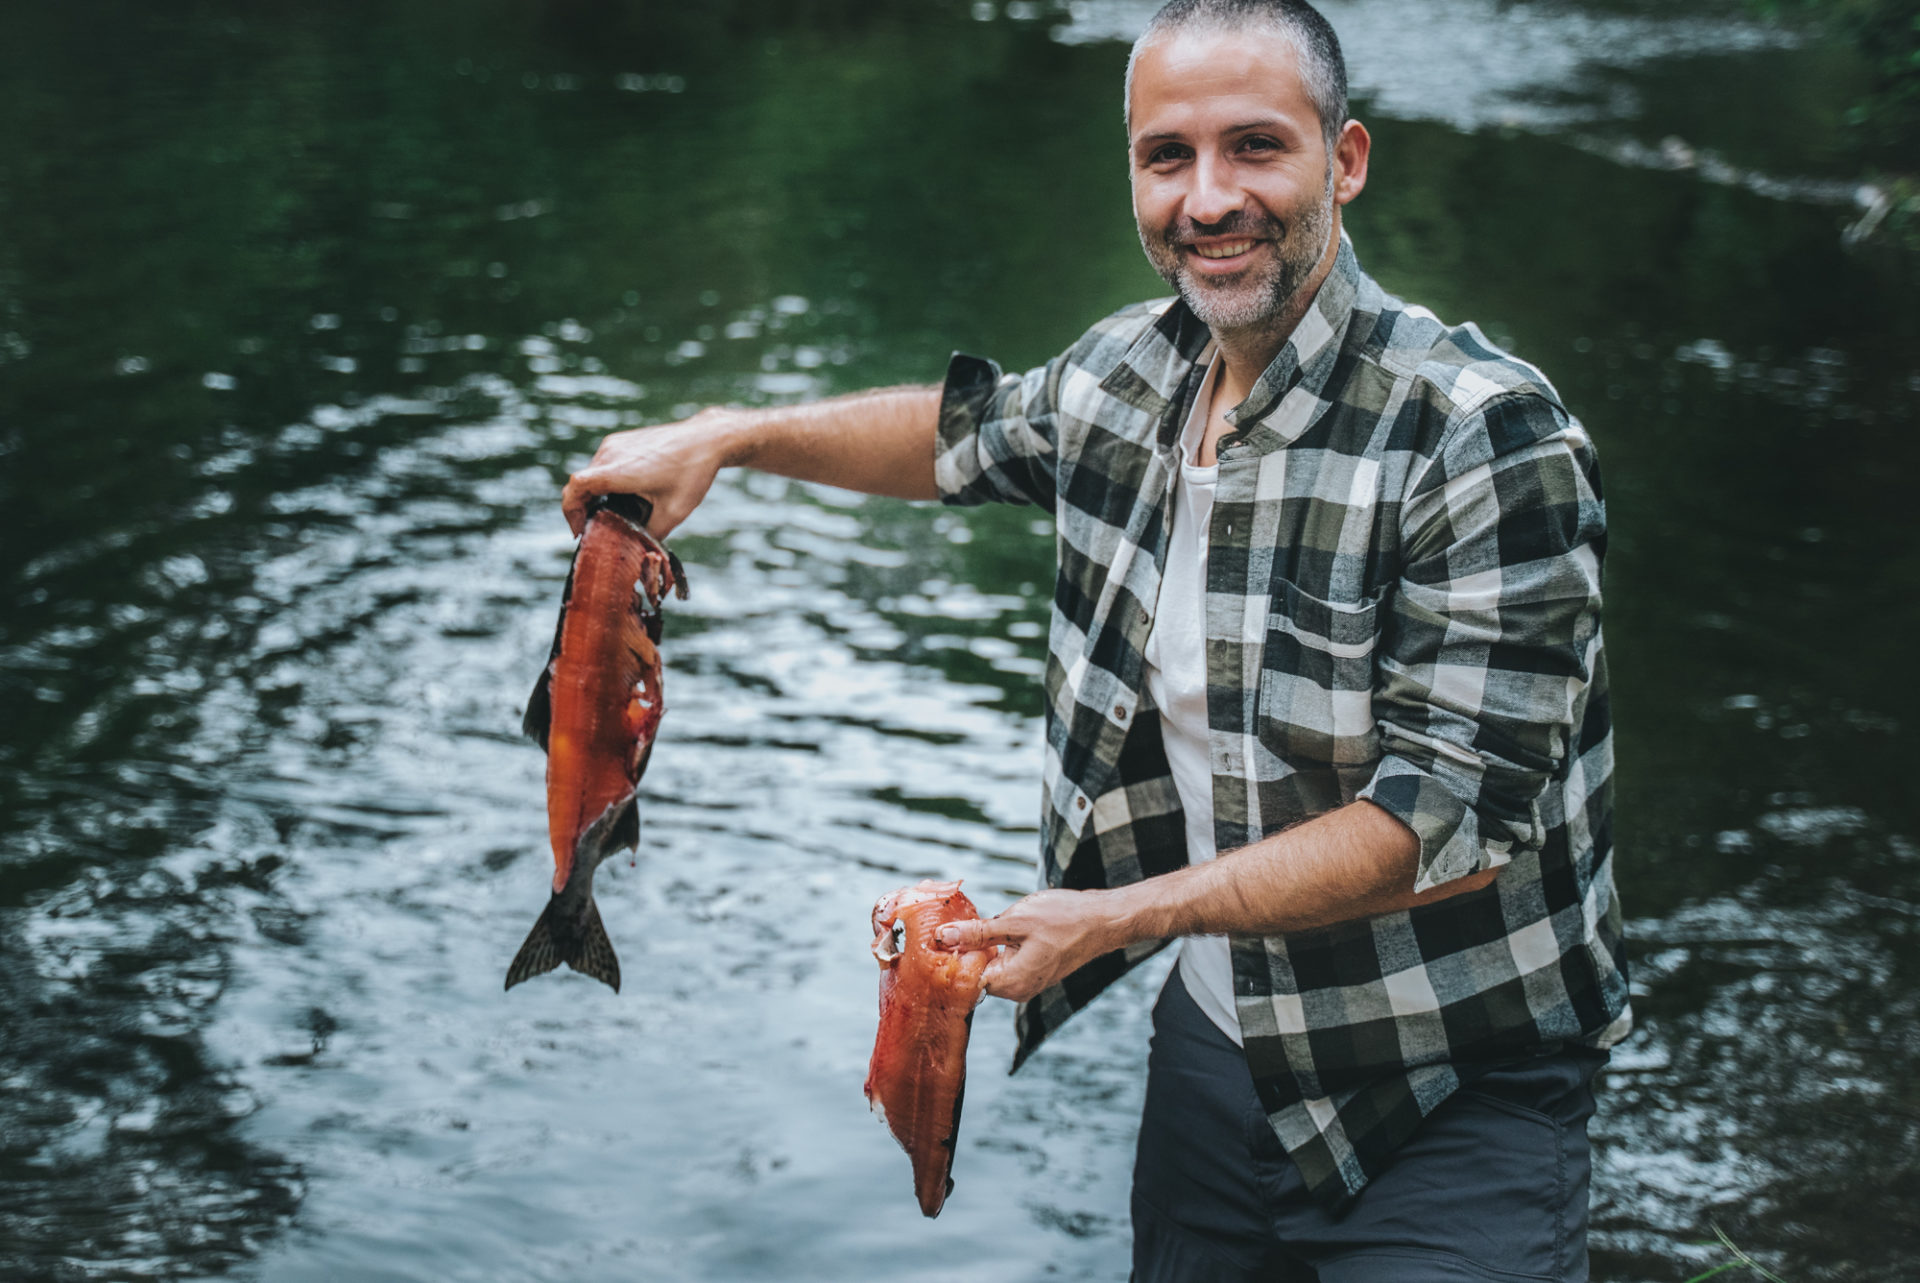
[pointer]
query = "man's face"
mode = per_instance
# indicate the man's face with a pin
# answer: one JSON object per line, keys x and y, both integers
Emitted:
{"x": 1233, "y": 189}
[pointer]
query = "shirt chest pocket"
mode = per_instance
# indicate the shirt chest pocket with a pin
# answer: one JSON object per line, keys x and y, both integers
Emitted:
{"x": 1317, "y": 680}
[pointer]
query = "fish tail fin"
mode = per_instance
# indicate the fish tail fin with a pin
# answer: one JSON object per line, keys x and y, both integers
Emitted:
{"x": 538, "y": 955}
{"x": 581, "y": 943}
{"x": 594, "y": 955}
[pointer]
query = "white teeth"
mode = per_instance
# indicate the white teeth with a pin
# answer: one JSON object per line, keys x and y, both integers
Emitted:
{"x": 1228, "y": 250}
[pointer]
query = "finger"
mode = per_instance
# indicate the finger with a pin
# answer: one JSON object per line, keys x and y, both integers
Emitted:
{"x": 573, "y": 501}
{"x": 964, "y": 937}
{"x": 580, "y": 490}
{"x": 1001, "y": 980}
{"x": 987, "y": 977}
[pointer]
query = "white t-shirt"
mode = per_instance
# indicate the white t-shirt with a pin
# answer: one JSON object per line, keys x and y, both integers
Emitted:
{"x": 1176, "y": 673}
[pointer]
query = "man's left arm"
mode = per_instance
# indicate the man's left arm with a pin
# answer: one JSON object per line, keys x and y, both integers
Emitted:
{"x": 1484, "y": 661}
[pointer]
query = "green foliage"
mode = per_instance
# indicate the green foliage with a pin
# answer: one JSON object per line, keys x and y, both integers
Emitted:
{"x": 1885, "y": 119}
{"x": 1903, "y": 220}
{"x": 1887, "y": 33}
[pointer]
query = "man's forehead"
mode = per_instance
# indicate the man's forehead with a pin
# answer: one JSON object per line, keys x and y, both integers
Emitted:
{"x": 1241, "y": 75}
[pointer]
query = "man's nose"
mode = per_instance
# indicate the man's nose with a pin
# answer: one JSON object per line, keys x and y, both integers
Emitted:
{"x": 1215, "y": 196}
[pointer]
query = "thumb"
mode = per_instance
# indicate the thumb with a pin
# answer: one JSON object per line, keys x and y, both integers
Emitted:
{"x": 964, "y": 937}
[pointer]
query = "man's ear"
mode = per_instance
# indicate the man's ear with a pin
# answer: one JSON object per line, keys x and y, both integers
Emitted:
{"x": 1350, "y": 155}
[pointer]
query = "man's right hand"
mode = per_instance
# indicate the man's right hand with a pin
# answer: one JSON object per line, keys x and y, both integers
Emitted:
{"x": 671, "y": 465}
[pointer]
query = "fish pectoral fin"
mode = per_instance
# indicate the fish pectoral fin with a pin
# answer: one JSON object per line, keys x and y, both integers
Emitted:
{"x": 626, "y": 829}
{"x": 618, "y": 825}
{"x": 539, "y": 713}
{"x": 679, "y": 574}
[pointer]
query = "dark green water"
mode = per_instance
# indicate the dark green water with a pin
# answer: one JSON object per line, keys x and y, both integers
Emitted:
{"x": 304, "y": 316}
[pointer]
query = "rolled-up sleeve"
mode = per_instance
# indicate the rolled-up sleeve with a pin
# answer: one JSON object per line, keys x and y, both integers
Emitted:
{"x": 1488, "y": 649}
{"x": 997, "y": 441}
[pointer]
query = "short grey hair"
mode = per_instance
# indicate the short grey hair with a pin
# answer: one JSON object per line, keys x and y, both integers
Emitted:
{"x": 1322, "y": 66}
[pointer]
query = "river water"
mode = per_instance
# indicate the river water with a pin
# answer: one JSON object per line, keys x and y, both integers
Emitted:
{"x": 306, "y": 313}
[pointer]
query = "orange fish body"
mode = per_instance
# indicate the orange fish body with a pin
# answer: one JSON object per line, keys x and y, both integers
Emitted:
{"x": 918, "y": 1075}
{"x": 596, "y": 709}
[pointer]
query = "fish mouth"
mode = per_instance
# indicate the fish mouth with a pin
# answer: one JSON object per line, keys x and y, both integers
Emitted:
{"x": 890, "y": 943}
{"x": 889, "y": 933}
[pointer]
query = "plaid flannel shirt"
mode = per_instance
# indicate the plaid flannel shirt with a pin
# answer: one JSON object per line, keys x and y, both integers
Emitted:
{"x": 1402, "y": 605}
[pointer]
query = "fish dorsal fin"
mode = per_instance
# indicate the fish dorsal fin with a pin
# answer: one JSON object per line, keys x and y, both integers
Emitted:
{"x": 539, "y": 712}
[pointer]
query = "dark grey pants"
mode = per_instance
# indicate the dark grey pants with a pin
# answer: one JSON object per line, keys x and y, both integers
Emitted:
{"x": 1492, "y": 1187}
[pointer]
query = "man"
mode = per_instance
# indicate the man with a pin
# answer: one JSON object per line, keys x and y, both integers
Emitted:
{"x": 1327, "y": 608}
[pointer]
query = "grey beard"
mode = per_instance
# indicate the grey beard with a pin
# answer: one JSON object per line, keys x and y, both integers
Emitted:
{"x": 1254, "y": 303}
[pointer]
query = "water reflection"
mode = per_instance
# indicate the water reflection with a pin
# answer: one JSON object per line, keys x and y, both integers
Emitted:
{"x": 1475, "y": 63}
{"x": 276, "y": 503}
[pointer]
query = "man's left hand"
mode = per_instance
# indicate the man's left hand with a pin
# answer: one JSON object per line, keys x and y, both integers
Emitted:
{"x": 1047, "y": 936}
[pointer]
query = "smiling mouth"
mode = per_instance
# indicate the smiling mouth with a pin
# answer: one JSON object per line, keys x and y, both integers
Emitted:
{"x": 1231, "y": 249}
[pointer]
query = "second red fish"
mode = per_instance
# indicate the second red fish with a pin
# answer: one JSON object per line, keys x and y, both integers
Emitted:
{"x": 918, "y": 1075}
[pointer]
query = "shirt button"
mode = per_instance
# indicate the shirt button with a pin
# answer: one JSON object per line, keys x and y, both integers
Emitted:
{"x": 1119, "y": 713}
{"x": 1079, "y": 803}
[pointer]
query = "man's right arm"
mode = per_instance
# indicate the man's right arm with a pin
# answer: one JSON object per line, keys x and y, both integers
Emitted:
{"x": 880, "y": 442}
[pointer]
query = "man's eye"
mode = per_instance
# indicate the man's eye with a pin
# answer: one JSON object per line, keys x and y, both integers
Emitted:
{"x": 1162, "y": 155}
{"x": 1261, "y": 144}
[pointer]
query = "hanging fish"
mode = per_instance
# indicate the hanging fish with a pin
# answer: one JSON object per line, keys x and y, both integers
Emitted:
{"x": 918, "y": 1075}
{"x": 595, "y": 710}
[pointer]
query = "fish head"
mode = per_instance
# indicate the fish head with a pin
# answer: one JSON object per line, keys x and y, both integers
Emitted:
{"x": 888, "y": 933}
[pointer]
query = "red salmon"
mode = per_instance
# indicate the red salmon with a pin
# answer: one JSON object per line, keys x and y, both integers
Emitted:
{"x": 595, "y": 711}
{"x": 918, "y": 1075}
